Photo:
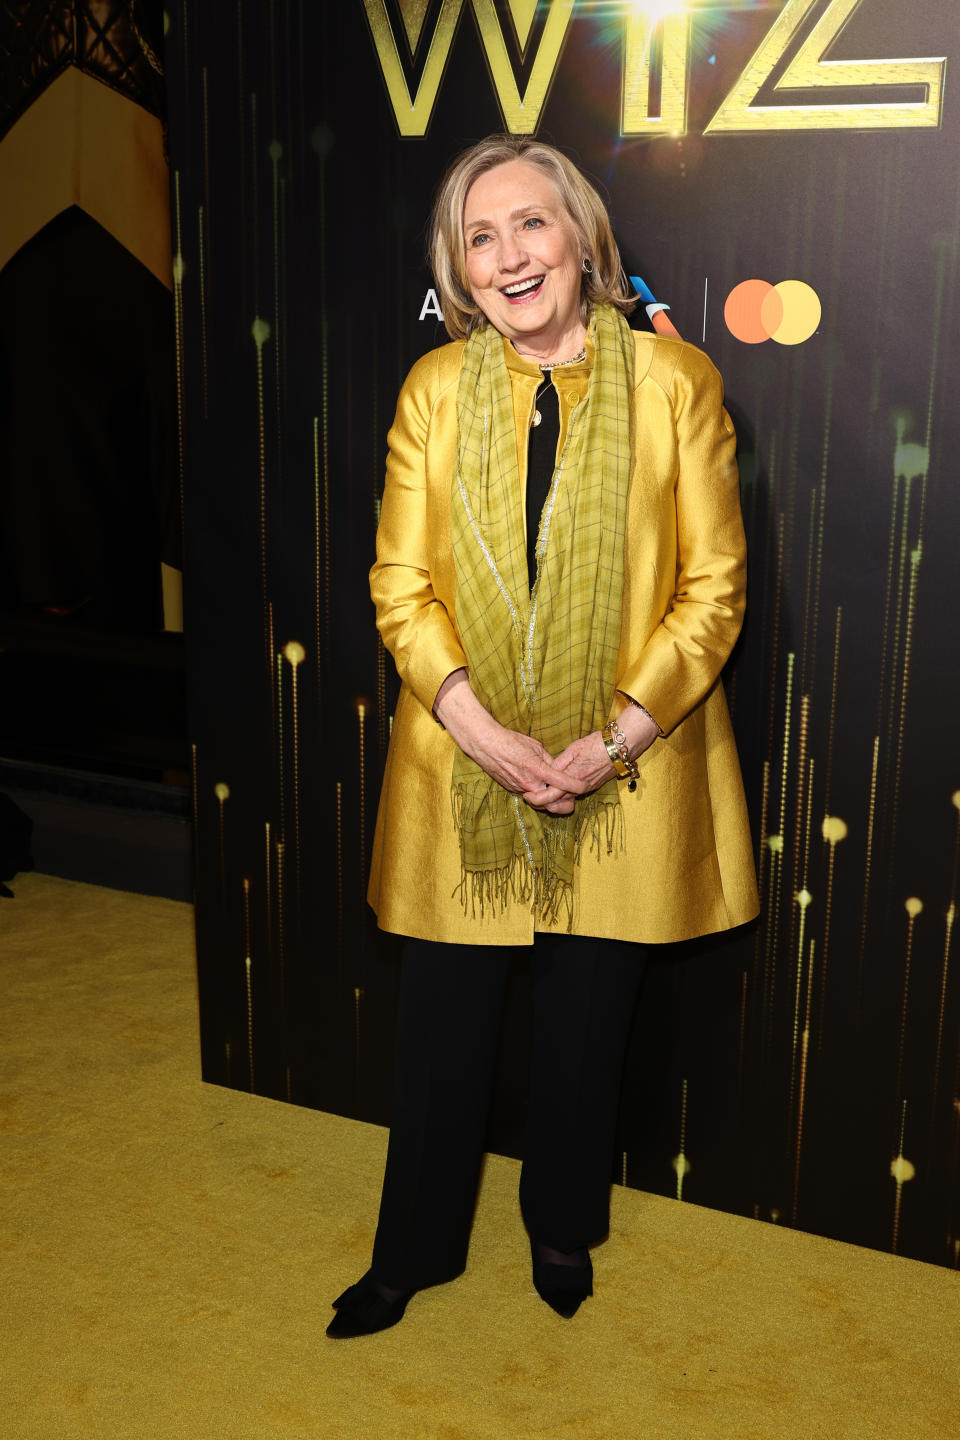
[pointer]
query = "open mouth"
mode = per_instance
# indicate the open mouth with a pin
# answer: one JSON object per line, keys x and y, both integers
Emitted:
{"x": 523, "y": 289}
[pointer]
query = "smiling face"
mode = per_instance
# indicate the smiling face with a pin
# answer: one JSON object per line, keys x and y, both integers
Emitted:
{"x": 523, "y": 260}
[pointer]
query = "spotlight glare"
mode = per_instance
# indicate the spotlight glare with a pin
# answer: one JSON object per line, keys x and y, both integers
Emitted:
{"x": 657, "y": 10}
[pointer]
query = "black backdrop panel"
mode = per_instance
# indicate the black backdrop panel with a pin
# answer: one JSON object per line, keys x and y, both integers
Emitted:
{"x": 807, "y": 1071}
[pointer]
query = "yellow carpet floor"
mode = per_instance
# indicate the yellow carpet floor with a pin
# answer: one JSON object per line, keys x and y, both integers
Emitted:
{"x": 170, "y": 1249}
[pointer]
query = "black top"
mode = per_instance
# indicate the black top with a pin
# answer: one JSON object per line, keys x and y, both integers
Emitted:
{"x": 541, "y": 463}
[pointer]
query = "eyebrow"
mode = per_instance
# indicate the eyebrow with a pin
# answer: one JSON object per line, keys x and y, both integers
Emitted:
{"x": 514, "y": 215}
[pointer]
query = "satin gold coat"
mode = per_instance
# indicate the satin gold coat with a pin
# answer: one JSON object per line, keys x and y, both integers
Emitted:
{"x": 686, "y": 867}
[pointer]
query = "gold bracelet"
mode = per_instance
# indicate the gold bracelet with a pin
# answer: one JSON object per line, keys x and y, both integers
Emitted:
{"x": 616, "y": 747}
{"x": 616, "y": 759}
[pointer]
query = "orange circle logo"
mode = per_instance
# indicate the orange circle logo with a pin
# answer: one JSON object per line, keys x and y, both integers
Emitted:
{"x": 788, "y": 313}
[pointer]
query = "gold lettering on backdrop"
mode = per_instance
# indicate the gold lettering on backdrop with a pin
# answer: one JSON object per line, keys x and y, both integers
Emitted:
{"x": 522, "y": 13}
{"x": 412, "y": 112}
{"x": 809, "y": 70}
{"x": 413, "y": 13}
{"x": 522, "y": 116}
{"x": 635, "y": 117}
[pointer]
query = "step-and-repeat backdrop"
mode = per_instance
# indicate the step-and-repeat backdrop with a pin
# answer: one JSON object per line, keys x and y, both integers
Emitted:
{"x": 784, "y": 177}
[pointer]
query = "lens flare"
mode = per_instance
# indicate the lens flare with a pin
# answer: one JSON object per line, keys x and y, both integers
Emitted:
{"x": 657, "y": 10}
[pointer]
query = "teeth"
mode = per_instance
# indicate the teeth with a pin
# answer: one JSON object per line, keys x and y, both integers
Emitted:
{"x": 520, "y": 286}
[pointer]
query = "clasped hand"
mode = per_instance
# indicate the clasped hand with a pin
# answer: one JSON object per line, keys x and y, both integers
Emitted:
{"x": 521, "y": 764}
{"x": 584, "y": 765}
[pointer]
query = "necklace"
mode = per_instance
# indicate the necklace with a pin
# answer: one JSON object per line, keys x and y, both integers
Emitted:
{"x": 537, "y": 417}
{"x": 574, "y": 360}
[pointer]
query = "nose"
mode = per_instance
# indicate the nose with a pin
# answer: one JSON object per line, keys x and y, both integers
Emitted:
{"x": 513, "y": 256}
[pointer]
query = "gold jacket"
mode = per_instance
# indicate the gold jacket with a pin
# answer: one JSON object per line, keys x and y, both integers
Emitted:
{"x": 686, "y": 866}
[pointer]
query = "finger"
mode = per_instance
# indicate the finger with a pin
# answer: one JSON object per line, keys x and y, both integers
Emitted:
{"x": 561, "y": 780}
{"x": 532, "y": 773}
{"x": 563, "y": 806}
{"x": 547, "y": 795}
{"x": 538, "y": 792}
{"x": 572, "y": 784}
{"x": 564, "y": 760}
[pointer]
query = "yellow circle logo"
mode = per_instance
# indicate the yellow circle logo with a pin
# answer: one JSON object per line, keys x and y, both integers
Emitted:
{"x": 788, "y": 313}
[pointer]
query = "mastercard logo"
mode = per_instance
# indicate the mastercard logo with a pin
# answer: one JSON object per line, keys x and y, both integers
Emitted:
{"x": 788, "y": 313}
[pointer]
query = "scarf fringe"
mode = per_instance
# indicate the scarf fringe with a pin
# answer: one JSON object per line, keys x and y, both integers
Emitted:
{"x": 604, "y": 829}
{"x": 547, "y": 893}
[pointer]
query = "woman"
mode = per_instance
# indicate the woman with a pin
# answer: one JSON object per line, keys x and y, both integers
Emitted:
{"x": 560, "y": 578}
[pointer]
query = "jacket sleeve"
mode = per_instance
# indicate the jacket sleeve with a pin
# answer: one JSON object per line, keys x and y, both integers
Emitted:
{"x": 414, "y": 624}
{"x": 685, "y": 653}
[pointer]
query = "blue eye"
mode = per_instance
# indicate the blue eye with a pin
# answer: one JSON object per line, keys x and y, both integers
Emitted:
{"x": 532, "y": 220}
{"x": 480, "y": 238}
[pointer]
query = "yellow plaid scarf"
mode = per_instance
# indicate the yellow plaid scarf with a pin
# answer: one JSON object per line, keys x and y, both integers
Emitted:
{"x": 542, "y": 662}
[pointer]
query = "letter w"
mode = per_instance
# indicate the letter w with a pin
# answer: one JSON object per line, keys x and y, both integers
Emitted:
{"x": 412, "y": 113}
{"x": 521, "y": 114}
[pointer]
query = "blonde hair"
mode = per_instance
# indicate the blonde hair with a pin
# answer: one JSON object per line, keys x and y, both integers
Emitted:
{"x": 587, "y": 213}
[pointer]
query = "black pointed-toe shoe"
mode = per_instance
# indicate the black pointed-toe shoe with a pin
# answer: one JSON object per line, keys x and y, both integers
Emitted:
{"x": 363, "y": 1309}
{"x": 563, "y": 1287}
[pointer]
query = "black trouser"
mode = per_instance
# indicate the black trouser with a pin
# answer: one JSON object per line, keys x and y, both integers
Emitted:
{"x": 451, "y": 1001}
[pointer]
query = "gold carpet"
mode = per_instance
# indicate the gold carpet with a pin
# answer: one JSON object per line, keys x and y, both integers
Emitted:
{"x": 170, "y": 1251}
